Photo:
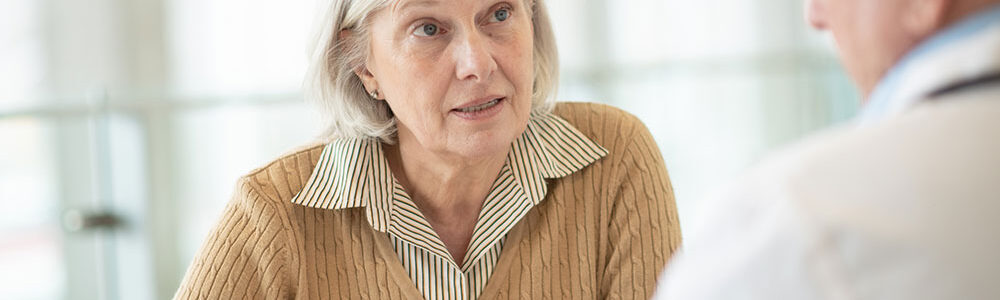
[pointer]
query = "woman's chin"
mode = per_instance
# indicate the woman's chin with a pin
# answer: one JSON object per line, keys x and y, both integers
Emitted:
{"x": 484, "y": 144}
{"x": 476, "y": 148}
{"x": 488, "y": 141}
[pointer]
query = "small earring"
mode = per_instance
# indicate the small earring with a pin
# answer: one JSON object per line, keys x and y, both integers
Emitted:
{"x": 374, "y": 94}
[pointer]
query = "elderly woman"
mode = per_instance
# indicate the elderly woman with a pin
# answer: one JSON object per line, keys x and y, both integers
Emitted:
{"x": 450, "y": 173}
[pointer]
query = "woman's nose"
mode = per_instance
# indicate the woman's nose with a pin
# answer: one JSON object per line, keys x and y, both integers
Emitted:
{"x": 473, "y": 58}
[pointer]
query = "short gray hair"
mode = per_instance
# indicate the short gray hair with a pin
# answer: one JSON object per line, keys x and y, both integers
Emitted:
{"x": 349, "y": 112}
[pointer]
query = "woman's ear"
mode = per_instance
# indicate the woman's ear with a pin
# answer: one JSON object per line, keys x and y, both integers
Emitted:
{"x": 367, "y": 78}
{"x": 921, "y": 18}
{"x": 362, "y": 71}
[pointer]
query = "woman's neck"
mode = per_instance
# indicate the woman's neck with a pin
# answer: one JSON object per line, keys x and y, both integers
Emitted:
{"x": 444, "y": 186}
{"x": 449, "y": 191}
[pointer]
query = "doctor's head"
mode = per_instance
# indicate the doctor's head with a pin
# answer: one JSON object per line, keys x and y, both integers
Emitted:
{"x": 873, "y": 35}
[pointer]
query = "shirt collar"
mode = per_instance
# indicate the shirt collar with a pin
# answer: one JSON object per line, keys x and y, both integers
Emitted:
{"x": 353, "y": 172}
{"x": 932, "y": 64}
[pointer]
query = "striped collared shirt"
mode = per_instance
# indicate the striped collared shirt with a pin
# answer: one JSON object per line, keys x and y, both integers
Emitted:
{"x": 354, "y": 173}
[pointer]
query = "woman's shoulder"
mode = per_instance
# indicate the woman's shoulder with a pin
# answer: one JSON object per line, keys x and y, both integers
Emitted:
{"x": 596, "y": 118}
{"x": 282, "y": 178}
{"x": 608, "y": 126}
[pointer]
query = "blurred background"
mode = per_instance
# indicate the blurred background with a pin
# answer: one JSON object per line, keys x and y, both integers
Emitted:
{"x": 124, "y": 124}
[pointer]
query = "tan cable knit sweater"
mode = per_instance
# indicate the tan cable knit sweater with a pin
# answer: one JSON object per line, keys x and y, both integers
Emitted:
{"x": 604, "y": 232}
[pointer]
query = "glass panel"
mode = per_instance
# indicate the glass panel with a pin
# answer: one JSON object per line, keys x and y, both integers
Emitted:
{"x": 702, "y": 121}
{"x": 655, "y": 31}
{"x": 571, "y": 30}
{"x": 20, "y": 51}
{"x": 719, "y": 83}
{"x": 31, "y": 249}
{"x": 216, "y": 146}
{"x": 238, "y": 47}
{"x": 648, "y": 31}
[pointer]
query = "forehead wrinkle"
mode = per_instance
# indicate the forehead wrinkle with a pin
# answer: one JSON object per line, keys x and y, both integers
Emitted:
{"x": 399, "y": 6}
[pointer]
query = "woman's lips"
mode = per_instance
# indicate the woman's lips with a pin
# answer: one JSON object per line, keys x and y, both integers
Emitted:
{"x": 475, "y": 108}
{"x": 480, "y": 111}
{"x": 478, "y": 102}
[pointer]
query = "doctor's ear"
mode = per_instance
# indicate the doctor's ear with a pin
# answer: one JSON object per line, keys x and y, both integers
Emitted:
{"x": 921, "y": 18}
{"x": 815, "y": 13}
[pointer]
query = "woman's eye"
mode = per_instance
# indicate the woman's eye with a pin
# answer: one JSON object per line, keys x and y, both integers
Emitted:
{"x": 427, "y": 30}
{"x": 501, "y": 15}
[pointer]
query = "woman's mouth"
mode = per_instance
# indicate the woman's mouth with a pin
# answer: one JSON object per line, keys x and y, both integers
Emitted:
{"x": 480, "y": 107}
{"x": 481, "y": 111}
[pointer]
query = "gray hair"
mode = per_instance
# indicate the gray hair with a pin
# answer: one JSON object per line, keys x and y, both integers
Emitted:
{"x": 349, "y": 112}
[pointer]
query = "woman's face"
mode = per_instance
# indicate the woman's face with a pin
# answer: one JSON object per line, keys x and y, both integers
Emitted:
{"x": 458, "y": 74}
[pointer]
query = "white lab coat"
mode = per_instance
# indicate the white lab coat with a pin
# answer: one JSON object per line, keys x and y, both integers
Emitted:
{"x": 907, "y": 207}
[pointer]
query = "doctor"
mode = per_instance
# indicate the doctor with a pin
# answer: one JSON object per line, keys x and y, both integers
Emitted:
{"x": 904, "y": 204}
